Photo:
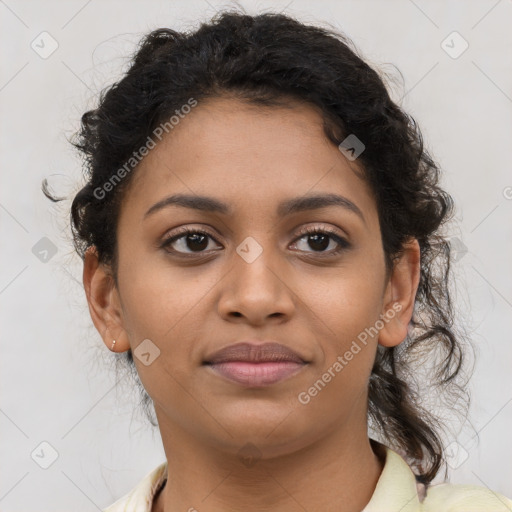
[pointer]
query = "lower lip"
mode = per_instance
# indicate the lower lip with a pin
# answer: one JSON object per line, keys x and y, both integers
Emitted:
{"x": 257, "y": 374}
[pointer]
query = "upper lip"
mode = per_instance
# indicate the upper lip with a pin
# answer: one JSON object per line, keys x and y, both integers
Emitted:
{"x": 255, "y": 353}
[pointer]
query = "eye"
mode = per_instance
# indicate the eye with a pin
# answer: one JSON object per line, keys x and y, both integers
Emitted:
{"x": 197, "y": 241}
{"x": 188, "y": 238}
{"x": 320, "y": 239}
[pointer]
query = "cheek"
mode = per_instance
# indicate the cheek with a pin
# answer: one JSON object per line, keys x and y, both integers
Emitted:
{"x": 156, "y": 305}
{"x": 346, "y": 304}
{"x": 346, "y": 311}
{"x": 160, "y": 302}
{"x": 347, "y": 315}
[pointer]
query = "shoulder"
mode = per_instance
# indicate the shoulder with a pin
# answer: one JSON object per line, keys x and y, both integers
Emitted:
{"x": 398, "y": 490}
{"x": 140, "y": 498}
{"x": 448, "y": 497}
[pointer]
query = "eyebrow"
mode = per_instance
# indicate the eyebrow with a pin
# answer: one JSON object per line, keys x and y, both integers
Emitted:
{"x": 287, "y": 207}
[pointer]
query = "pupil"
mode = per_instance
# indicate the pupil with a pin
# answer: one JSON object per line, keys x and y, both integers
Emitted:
{"x": 194, "y": 238}
{"x": 315, "y": 241}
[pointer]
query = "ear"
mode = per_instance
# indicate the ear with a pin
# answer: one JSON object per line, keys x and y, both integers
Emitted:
{"x": 400, "y": 294}
{"x": 104, "y": 303}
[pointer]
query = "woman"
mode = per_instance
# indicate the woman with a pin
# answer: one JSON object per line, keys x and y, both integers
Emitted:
{"x": 261, "y": 236}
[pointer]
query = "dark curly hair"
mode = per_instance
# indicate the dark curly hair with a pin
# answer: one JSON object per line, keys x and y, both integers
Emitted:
{"x": 268, "y": 59}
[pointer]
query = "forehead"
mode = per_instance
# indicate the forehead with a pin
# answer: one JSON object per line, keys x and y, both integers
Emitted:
{"x": 246, "y": 154}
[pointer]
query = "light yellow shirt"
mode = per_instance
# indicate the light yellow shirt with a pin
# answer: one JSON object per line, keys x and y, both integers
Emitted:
{"x": 396, "y": 491}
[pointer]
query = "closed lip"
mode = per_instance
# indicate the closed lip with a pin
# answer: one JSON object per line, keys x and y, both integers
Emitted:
{"x": 254, "y": 351}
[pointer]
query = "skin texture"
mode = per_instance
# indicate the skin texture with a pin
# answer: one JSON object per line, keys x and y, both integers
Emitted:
{"x": 315, "y": 456}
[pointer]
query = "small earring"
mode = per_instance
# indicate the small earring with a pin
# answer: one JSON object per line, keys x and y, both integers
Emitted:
{"x": 113, "y": 343}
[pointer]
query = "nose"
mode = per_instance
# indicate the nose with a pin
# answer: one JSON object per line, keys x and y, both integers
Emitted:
{"x": 256, "y": 290}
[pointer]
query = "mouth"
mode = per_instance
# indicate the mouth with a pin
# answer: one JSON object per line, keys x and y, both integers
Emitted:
{"x": 255, "y": 365}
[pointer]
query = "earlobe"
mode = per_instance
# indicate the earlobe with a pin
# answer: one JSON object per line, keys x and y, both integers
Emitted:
{"x": 394, "y": 330}
{"x": 102, "y": 299}
{"x": 400, "y": 295}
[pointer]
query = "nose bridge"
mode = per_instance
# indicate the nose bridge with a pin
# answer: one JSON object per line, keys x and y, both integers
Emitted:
{"x": 256, "y": 288}
{"x": 256, "y": 262}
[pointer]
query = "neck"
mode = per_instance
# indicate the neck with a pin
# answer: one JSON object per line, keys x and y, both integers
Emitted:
{"x": 338, "y": 472}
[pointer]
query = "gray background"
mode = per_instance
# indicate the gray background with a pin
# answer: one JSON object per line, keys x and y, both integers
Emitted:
{"x": 56, "y": 382}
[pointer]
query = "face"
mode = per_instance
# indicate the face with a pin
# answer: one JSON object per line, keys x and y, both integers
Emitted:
{"x": 250, "y": 271}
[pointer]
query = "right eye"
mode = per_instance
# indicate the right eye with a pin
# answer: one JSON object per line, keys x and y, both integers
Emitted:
{"x": 187, "y": 238}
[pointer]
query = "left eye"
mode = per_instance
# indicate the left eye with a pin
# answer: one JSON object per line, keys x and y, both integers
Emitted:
{"x": 320, "y": 240}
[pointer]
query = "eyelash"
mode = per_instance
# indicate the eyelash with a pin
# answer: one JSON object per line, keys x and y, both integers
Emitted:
{"x": 343, "y": 244}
